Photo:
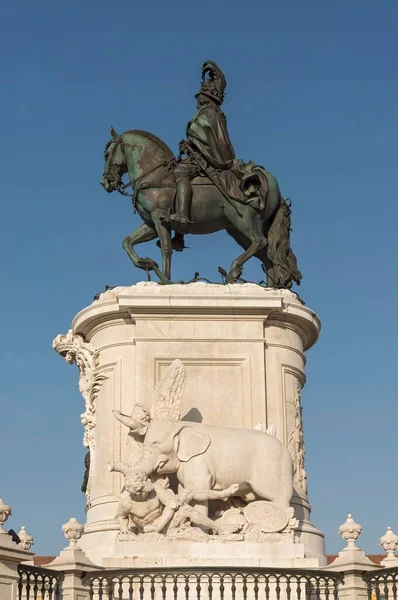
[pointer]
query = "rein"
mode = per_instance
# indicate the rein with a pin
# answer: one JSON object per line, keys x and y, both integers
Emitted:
{"x": 121, "y": 187}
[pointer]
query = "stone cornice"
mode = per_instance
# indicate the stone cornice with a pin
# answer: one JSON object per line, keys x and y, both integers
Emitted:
{"x": 196, "y": 300}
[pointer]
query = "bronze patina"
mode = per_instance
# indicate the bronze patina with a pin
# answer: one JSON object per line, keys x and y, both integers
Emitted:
{"x": 202, "y": 190}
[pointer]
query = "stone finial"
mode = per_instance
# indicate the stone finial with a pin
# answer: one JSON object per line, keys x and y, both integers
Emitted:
{"x": 5, "y": 512}
{"x": 26, "y": 540}
{"x": 73, "y": 531}
{"x": 350, "y": 532}
{"x": 389, "y": 542}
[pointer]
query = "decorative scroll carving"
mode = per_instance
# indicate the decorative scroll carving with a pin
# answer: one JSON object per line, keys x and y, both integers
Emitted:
{"x": 296, "y": 446}
{"x": 75, "y": 350}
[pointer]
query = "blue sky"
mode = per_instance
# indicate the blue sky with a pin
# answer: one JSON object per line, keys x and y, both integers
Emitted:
{"x": 312, "y": 95}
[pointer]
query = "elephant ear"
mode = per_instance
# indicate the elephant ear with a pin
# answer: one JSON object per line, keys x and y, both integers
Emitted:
{"x": 190, "y": 442}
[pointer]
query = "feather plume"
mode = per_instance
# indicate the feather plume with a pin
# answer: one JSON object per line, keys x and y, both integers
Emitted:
{"x": 167, "y": 395}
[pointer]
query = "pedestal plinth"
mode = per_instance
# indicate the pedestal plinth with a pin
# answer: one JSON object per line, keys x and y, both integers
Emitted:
{"x": 242, "y": 347}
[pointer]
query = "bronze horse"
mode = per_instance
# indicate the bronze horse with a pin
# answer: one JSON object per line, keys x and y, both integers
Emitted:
{"x": 261, "y": 233}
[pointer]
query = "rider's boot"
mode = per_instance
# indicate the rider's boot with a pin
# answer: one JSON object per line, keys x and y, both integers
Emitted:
{"x": 179, "y": 220}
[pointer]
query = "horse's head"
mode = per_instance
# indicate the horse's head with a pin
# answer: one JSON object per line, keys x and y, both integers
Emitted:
{"x": 115, "y": 162}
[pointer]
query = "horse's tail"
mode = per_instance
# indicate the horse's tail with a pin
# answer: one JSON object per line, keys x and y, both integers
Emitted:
{"x": 284, "y": 268}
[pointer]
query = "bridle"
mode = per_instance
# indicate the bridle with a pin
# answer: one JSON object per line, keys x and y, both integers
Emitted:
{"x": 136, "y": 184}
{"x": 119, "y": 186}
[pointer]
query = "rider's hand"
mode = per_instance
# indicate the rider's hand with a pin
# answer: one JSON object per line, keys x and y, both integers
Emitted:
{"x": 183, "y": 146}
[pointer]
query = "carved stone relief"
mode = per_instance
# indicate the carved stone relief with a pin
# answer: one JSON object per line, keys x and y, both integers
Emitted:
{"x": 296, "y": 445}
{"x": 75, "y": 350}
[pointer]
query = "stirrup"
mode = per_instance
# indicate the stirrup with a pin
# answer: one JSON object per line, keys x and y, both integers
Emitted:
{"x": 180, "y": 217}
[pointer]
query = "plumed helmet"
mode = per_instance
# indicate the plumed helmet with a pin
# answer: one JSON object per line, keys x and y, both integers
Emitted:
{"x": 214, "y": 85}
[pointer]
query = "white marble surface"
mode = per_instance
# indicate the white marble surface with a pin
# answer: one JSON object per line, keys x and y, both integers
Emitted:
{"x": 243, "y": 350}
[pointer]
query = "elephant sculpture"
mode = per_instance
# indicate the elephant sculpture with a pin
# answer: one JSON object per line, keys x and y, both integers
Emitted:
{"x": 214, "y": 458}
{"x": 203, "y": 457}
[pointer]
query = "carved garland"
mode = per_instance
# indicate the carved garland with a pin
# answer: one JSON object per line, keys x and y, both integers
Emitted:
{"x": 75, "y": 350}
{"x": 296, "y": 446}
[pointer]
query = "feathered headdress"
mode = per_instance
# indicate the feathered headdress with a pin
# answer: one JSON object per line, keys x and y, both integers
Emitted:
{"x": 213, "y": 82}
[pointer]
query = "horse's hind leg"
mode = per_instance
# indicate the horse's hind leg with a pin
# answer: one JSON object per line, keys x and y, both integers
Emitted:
{"x": 261, "y": 254}
{"x": 144, "y": 233}
{"x": 255, "y": 243}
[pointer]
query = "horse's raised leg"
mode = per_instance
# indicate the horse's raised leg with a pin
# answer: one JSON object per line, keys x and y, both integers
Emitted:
{"x": 255, "y": 242}
{"x": 261, "y": 254}
{"x": 144, "y": 233}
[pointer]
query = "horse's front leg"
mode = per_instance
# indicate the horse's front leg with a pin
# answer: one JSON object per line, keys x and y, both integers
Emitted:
{"x": 165, "y": 244}
{"x": 144, "y": 233}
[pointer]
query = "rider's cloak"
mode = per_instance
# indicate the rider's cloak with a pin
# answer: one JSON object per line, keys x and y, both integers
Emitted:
{"x": 207, "y": 132}
{"x": 245, "y": 182}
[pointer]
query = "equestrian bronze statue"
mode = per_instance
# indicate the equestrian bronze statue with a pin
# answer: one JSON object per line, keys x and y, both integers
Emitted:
{"x": 203, "y": 190}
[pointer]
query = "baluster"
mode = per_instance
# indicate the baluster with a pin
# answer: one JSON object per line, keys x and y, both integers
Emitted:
{"x": 394, "y": 588}
{"x": 120, "y": 589}
{"x": 43, "y": 585}
{"x": 52, "y": 589}
{"x": 267, "y": 588}
{"x": 378, "y": 583}
{"x": 130, "y": 587}
{"x": 110, "y": 588}
{"x": 164, "y": 587}
{"x": 335, "y": 590}
{"x": 298, "y": 584}
{"x": 222, "y": 587}
{"x": 28, "y": 586}
{"x": 142, "y": 588}
{"x": 175, "y": 586}
{"x": 198, "y": 586}
{"x": 153, "y": 588}
{"x": 100, "y": 590}
{"x": 244, "y": 587}
{"x": 256, "y": 587}
{"x": 186, "y": 587}
{"x": 288, "y": 588}
{"x": 386, "y": 590}
{"x": 35, "y": 585}
{"x": 20, "y": 582}
{"x": 327, "y": 594}
{"x": 278, "y": 588}
{"x": 233, "y": 587}
{"x": 317, "y": 588}
{"x": 210, "y": 586}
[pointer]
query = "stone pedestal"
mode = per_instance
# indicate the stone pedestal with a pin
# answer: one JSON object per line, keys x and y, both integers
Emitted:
{"x": 11, "y": 555}
{"x": 74, "y": 564}
{"x": 243, "y": 350}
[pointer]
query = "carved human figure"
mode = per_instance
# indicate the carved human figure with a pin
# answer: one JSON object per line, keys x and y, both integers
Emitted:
{"x": 152, "y": 505}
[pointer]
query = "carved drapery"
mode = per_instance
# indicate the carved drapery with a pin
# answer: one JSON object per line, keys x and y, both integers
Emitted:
{"x": 296, "y": 445}
{"x": 75, "y": 350}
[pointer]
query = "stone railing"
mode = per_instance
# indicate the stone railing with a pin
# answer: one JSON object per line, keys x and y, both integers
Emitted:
{"x": 38, "y": 583}
{"x": 72, "y": 576}
{"x": 382, "y": 584}
{"x": 206, "y": 583}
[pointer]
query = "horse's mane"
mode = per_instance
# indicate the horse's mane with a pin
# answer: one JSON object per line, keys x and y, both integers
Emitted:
{"x": 154, "y": 138}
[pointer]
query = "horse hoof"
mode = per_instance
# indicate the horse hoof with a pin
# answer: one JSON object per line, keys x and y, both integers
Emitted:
{"x": 224, "y": 274}
{"x": 232, "y": 276}
{"x": 147, "y": 264}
